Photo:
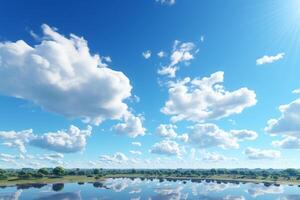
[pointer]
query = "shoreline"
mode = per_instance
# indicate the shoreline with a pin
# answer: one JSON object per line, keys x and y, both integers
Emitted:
{"x": 85, "y": 179}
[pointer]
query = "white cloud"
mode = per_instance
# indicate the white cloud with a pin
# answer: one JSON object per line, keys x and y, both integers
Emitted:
{"x": 70, "y": 141}
{"x": 167, "y": 130}
{"x": 296, "y": 91}
{"x": 107, "y": 58}
{"x": 16, "y": 139}
{"x": 169, "y": 71}
{"x": 183, "y": 137}
{"x": 65, "y": 141}
{"x": 288, "y": 142}
{"x": 167, "y": 2}
{"x": 205, "y": 99}
{"x": 136, "y": 144}
{"x": 56, "y": 159}
{"x": 182, "y": 52}
{"x": 33, "y": 161}
{"x": 210, "y": 135}
{"x": 215, "y": 157}
{"x": 230, "y": 197}
{"x": 166, "y": 147}
{"x": 161, "y": 54}
{"x": 8, "y": 158}
{"x": 288, "y": 122}
{"x": 132, "y": 126}
{"x": 147, "y": 54}
{"x": 54, "y": 156}
{"x": 202, "y": 38}
{"x": 257, "y": 154}
{"x": 287, "y": 125}
{"x": 62, "y": 76}
{"x": 269, "y": 59}
{"x": 116, "y": 158}
{"x": 244, "y": 134}
{"x": 135, "y": 152}
{"x": 93, "y": 163}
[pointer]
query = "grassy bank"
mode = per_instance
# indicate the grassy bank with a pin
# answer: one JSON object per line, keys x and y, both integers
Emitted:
{"x": 65, "y": 179}
{"x": 219, "y": 178}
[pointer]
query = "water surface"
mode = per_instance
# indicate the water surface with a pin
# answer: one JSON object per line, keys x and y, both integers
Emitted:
{"x": 138, "y": 189}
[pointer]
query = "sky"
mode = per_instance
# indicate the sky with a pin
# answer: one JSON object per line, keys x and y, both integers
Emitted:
{"x": 150, "y": 84}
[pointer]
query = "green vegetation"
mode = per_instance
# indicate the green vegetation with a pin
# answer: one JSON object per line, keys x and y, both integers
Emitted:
{"x": 61, "y": 175}
{"x": 58, "y": 171}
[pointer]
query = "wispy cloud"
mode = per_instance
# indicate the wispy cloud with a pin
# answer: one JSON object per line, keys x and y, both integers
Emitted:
{"x": 296, "y": 91}
{"x": 257, "y": 154}
{"x": 147, "y": 54}
{"x": 269, "y": 59}
{"x": 167, "y": 2}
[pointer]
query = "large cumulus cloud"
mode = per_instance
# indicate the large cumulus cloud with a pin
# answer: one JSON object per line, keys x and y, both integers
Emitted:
{"x": 287, "y": 125}
{"x": 62, "y": 76}
{"x": 205, "y": 99}
{"x": 62, "y": 141}
{"x": 210, "y": 135}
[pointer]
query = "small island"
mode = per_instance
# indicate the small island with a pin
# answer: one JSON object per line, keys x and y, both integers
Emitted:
{"x": 277, "y": 177}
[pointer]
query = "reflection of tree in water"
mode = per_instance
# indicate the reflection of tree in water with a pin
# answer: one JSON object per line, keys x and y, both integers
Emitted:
{"x": 57, "y": 187}
{"x": 98, "y": 185}
{"x": 62, "y": 196}
{"x": 30, "y": 185}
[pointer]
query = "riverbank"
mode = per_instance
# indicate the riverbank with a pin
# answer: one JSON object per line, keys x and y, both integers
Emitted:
{"x": 219, "y": 179}
{"x": 65, "y": 179}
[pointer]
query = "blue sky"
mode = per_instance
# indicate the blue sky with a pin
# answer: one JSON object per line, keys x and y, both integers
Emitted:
{"x": 150, "y": 84}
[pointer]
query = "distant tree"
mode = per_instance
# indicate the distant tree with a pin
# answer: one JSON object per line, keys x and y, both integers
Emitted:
{"x": 72, "y": 173}
{"x": 81, "y": 173}
{"x": 291, "y": 172}
{"x": 213, "y": 171}
{"x": 265, "y": 174}
{"x": 275, "y": 177}
{"x": 43, "y": 171}
{"x": 24, "y": 175}
{"x": 59, "y": 171}
{"x": 96, "y": 171}
{"x": 2, "y": 171}
{"x": 3, "y": 174}
{"x": 57, "y": 187}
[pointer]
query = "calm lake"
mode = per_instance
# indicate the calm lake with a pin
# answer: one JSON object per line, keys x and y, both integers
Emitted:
{"x": 150, "y": 190}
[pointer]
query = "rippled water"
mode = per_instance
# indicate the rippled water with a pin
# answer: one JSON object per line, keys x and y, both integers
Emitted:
{"x": 150, "y": 190}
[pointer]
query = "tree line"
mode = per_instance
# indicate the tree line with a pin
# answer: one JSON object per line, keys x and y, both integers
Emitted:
{"x": 274, "y": 174}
